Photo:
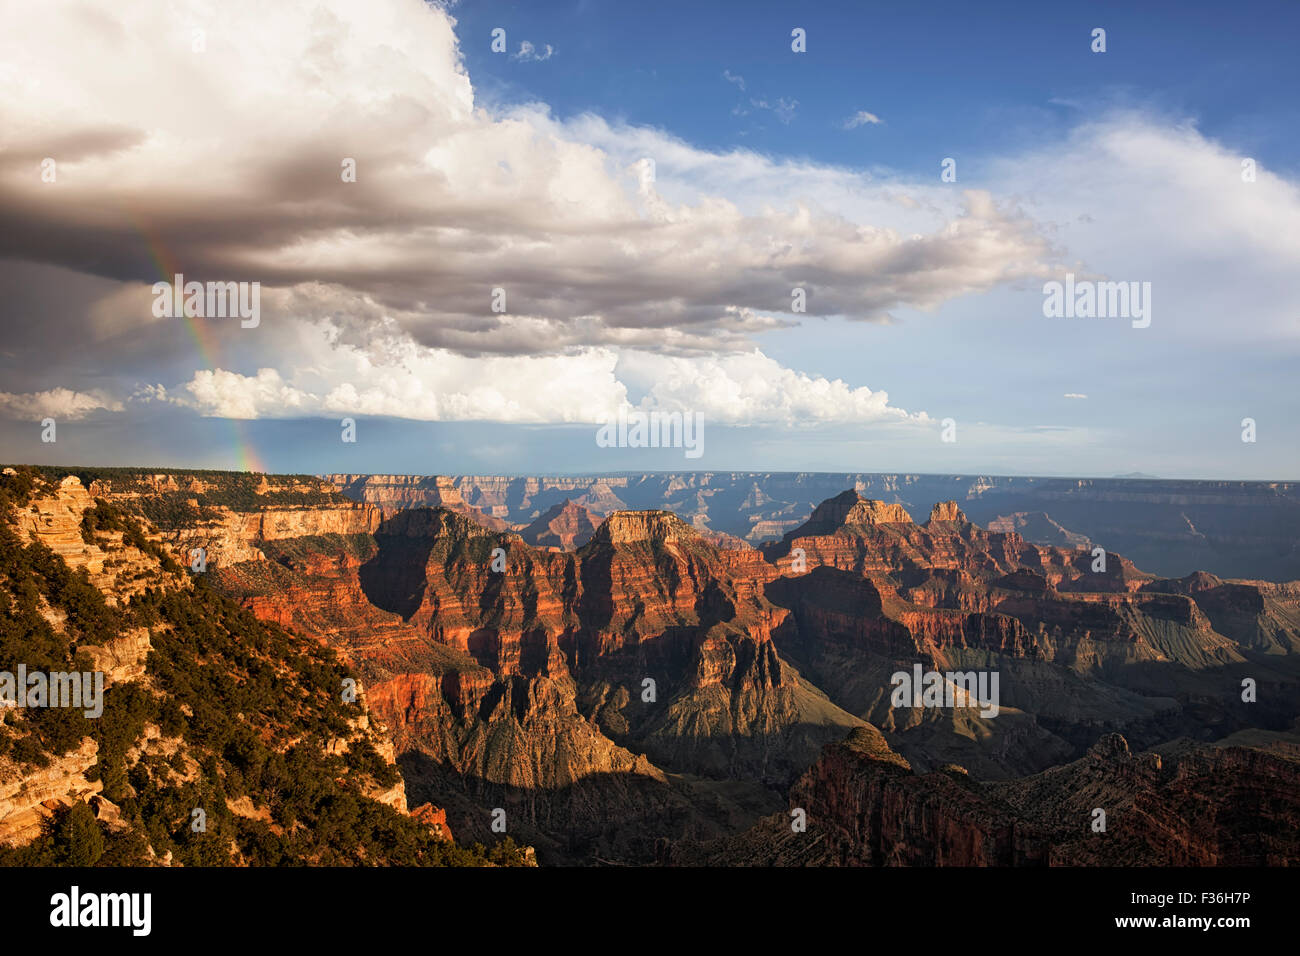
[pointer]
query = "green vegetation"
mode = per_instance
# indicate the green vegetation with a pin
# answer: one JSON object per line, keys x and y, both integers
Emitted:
{"x": 32, "y": 575}
{"x": 104, "y": 517}
{"x": 169, "y": 510}
{"x": 231, "y": 489}
{"x": 71, "y": 836}
{"x": 16, "y": 490}
{"x": 238, "y": 718}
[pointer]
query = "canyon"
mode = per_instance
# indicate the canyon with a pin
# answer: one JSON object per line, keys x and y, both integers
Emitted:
{"x": 1240, "y": 529}
{"x": 639, "y": 685}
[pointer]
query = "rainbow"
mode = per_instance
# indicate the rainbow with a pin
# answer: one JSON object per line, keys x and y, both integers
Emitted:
{"x": 205, "y": 341}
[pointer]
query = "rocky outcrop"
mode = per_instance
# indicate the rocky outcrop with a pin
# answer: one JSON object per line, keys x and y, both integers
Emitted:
{"x": 121, "y": 658}
{"x": 435, "y": 818}
{"x": 947, "y": 511}
{"x": 566, "y": 526}
{"x": 234, "y": 536}
{"x": 54, "y": 518}
{"x": 644, "y": 527}
{"x": 55, "y": 521}
{"x": 28, "y": 797}
{"x": 848, "y": 510}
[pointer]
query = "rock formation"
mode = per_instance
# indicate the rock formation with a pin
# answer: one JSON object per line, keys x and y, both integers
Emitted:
{"x": 1239, "y": 529}
{"x": 1191, "y": 806}
{"x": 648, "y": 682}
{"x": 566, "y": 526}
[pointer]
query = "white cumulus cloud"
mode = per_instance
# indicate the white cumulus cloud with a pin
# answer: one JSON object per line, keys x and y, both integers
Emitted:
{"x": 61, "y": 404}
{"x": 861, "y": 118}
{"x": 527, "y": 51}
{"x": 404, "y": 379}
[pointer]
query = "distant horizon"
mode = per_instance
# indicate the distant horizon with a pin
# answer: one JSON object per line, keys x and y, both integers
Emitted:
{"x": 162, "y": 469}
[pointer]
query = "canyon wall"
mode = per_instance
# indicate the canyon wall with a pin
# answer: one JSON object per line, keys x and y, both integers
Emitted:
{"x": 1241, "y": 529}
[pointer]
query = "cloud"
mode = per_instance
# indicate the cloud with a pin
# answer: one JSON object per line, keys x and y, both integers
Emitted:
{"x": 861, "y": 118}
{"x": 61, "y": 404}
{"x": 620, "y": 286}
{"x": 1139, "y": 195}
{"x": 735, "y": 78}
{"x": 1074, "y": 395}
{"x": 755, "y": 389}
{"x": 782, "y": 108}
{"x": 397, "y": 377}
{"x": 231, "y": 395}
{"x": 528, "y": 52}
{"x": 450, "y": 201}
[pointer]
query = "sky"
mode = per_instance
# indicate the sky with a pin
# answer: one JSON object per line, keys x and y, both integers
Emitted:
{"x": 826, "y": 231}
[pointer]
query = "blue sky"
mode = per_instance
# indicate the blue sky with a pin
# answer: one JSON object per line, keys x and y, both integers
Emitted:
{"x": 947, "y": 78}
{"x": 526, "y": 171}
